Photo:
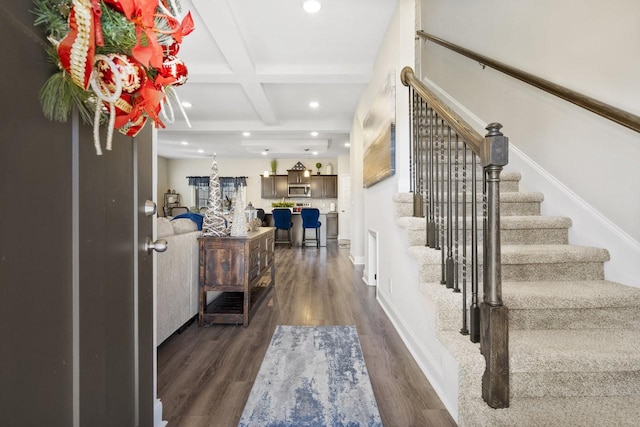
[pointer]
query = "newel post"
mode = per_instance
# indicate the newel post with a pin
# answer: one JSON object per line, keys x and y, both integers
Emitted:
{"x": 494, "y": 322}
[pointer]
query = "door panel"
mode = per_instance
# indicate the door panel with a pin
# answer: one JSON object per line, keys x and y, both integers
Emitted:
{"x": 143, "y": 145}
{"x": 36, "y": 276}
{"x": 344, "y": 201}
{"x": 106, "y": 277}
{"x": 69, "y": 257}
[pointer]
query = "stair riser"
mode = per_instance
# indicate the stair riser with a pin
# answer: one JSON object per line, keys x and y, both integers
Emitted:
{"x": 530, "y": 272}
{"x": 506, "y": 209}
{"x": 553, "y": 272}
{"x": 578, "y": 318}
{"x": 450, "y": 317}
{"x": 505, "y": 186}
{"x": 573, "y": 384}
{"x": 508, "y": 237}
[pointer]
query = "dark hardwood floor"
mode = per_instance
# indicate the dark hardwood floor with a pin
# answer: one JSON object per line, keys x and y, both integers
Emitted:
{"x": 205, "y": 374}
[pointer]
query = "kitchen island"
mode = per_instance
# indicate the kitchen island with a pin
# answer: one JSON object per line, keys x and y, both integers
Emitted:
{"x": 296, "y": 230}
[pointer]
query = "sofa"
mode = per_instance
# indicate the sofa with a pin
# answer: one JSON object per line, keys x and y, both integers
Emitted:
{"x": 177, "y": 276}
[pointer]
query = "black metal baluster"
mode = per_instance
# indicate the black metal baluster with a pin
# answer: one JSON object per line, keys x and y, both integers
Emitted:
{"x": 456, "y": 259}
{"x": 465, "y": 329}
{"x": 430, "y": 225}
{"x": 474, "y": 315}
{"x": 443, "y": 243}
{"x": 412, "y": 135}
{"x": 427, "y": 191}
{"x": 416, "y": 154}
{"x": 436, "y": 200}
{"x": 425, "y": 156}
{"x": 449, "y": 263}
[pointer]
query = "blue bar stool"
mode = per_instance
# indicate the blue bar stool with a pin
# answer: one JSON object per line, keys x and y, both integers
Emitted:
{"x": 310, "y": 220}
{"x": 282, "y": 222}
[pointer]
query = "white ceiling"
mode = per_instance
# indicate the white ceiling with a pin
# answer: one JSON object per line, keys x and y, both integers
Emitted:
{"x": 254, "y": 66}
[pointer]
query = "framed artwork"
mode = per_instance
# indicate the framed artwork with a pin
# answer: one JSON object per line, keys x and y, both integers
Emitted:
{"x": 379, "y": 128}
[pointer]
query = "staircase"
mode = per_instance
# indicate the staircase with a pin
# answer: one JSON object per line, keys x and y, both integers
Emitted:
{"x": 574, "y": 337}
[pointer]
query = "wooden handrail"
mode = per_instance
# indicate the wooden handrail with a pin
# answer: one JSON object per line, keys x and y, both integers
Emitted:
{"x": 473, "y": 139}
{"x": 607, "y": 111}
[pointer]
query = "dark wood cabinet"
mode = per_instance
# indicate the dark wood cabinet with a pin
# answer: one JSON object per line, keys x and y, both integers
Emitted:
{"x": 297, "y": 177}
{"x": 274, "y": 187}
{"x": 332, "y": 225}
{"x": 324, "y": 186}
{"x": 242, "y": 268}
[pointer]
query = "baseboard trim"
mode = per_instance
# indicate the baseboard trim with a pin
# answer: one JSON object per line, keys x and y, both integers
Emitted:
{"x": 158, "y": 422}
{"x": 359, "y": 260}
{"x": 419, "y": 353}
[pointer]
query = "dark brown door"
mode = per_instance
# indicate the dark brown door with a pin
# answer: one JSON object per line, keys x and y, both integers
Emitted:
{"x": 76, "y": 300}
{"x": 116, "y": 282}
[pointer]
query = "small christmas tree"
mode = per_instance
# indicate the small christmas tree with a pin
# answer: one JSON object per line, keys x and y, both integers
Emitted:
{"x": 213, "y": 222}
{"x": 239, "y": 224}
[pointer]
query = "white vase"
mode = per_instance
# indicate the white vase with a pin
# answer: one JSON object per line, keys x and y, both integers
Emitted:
{"x": 329, "y": 169}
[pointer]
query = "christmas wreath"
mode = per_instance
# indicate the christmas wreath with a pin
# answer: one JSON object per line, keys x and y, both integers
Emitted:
{"x": 117, "y": 61}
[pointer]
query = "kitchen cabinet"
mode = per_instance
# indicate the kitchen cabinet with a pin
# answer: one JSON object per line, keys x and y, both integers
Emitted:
{"x": 297, "y": 177}
{"x": 324, "y": 186}
{"x": 332, "y": 225}
{"x": 274, "y": 187}
{"x": 243, "y": 268}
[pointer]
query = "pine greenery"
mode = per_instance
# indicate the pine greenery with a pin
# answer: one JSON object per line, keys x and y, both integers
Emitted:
{"x": 59, "y": 95}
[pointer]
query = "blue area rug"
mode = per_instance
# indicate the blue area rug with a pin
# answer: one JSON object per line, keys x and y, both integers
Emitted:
{"x": 312, "y": 376}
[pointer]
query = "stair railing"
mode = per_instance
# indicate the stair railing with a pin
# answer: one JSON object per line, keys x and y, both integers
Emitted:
{"x": 615, "y": 114}
{"x": 444, "y": 151}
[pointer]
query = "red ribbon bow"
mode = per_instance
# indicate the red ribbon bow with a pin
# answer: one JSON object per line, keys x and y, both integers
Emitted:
{"x": 91, "y": 32}
{"x": 146, "y": 102}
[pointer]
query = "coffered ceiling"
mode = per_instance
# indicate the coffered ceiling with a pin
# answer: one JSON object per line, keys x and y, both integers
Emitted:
{"x": 255, "y": 65}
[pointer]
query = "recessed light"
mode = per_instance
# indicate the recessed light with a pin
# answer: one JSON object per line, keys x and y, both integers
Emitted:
{"x": 347, "y": 144}
{"x": 265, "y": 152}
{"x": 184, "y": 142}
{"x": 314, "y": 104}
{"x": 315, "y": 153}
{"x": 246, "y": 133}
{"x": 200, "y": 151}
{"x": 311, "y": 6}
{"x": 186, "y": 104}
{"x": 314, "y": 133}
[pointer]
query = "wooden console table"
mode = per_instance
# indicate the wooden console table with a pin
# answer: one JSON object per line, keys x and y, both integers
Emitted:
{"x": 243, "y": 268}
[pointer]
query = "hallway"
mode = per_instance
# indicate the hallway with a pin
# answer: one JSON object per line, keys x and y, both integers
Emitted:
{"x": 205, "y": 374}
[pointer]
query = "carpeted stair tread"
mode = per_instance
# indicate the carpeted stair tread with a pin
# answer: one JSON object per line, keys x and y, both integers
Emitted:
{"x": 574, "y": 338}
{"x": 526, "y": 254}
{"x": 544, "y": 254}
{"x": 509, "y": 197}
{"x": 599, "y": 411}
{"x": 521, "y": 222}
{"x": 569, "y": 294}
{"x": 574, "y": 350}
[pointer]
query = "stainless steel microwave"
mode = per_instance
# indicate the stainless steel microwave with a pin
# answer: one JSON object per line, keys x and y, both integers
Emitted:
{"x": 299, "y": 190}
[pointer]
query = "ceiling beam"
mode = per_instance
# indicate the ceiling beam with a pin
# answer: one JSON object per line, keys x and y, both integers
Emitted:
{"x": 332, "y": 126}
{"x": 226, "y": 78}
{"x": 222, "y": 26}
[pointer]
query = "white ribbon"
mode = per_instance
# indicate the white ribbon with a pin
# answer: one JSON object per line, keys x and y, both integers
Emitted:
{"x": 103, "y": 94}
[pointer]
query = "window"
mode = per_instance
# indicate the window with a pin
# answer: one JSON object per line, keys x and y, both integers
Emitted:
{"x": 228, "y": 188}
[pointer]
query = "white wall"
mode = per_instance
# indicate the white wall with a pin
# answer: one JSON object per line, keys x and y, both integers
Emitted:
{"x": 587, "y": 166}
{"x": 374, "y": 209}
{"x": 178, "y": 170}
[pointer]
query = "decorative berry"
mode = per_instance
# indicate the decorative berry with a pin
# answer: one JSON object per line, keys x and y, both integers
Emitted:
{"x": 174, "y": 70}
{"x": 131, "y": 73}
